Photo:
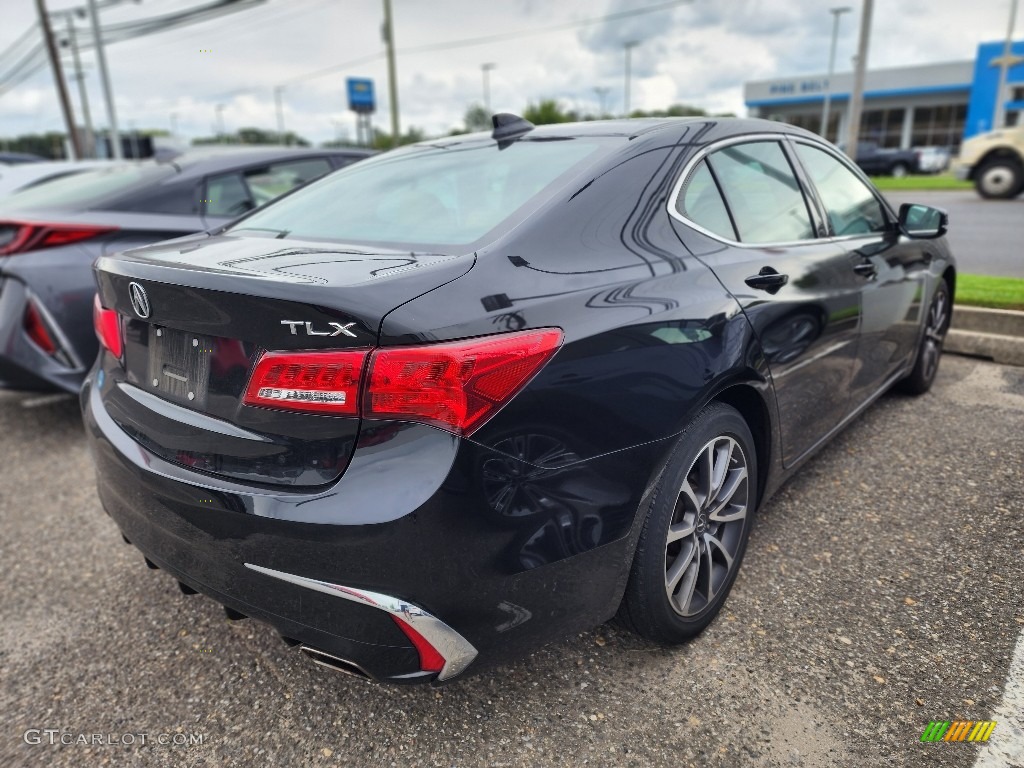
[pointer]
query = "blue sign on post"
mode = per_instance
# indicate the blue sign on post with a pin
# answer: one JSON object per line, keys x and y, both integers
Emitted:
{"x": 360, "y": 94}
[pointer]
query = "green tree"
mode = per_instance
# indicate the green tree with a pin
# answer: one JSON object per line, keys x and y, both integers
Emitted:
{"x": 676, "y": 110}
{"x": 548, "y": 111}
{"x": 383, "y": 140}
{"x": 47, "y": 145}
{"x": 253, "y": 136}
{"x": 477, "y": 119}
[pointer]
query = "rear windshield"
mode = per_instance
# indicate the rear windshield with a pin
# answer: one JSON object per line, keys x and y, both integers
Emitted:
{"x": 425, "y": 195}
{"x": 88, "y": 190}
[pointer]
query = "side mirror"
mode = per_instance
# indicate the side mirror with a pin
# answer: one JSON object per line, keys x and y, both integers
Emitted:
{"x": 922, "y": 221}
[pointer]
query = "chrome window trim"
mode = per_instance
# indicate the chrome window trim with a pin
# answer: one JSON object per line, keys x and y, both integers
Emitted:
{"x": 457, "y": 651}
{"x": 780, "y": 138}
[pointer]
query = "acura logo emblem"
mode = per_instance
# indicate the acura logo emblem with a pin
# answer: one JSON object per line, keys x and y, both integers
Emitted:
{"x": 140, "y": 301}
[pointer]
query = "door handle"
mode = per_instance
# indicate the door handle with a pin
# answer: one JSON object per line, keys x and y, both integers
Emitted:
{"x": 767, "y": 280}
{"x": 865, "y": 269}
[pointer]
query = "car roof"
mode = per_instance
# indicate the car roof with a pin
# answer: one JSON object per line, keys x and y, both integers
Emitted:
{"x": 200, "y": 161}
{"x": 640, "y": 126}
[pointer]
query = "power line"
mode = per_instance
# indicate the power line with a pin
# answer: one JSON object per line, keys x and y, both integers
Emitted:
{"x": 484, "y": 39}
{"x": 470, "y": 41}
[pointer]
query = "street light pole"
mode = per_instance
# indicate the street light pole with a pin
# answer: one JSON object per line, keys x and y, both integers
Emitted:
{"x": 389, "y": 42}
{"x": 857, "y": 95}
{"x": 83, "y": 96}
{"x": 999, "y": 115}
{"x": 629, "y": 49}
{"x": 58, "y": 77}
{"x": 836, "y": 13}
{"x": 602, "y": 96}
{"x": 278, "y": 93}
{"x": 101, "y": 60}
{"x": 486, "y": 69}
{"x": 219, "y": 109}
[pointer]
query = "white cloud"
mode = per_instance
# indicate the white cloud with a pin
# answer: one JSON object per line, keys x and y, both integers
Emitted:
{"x": 698, "y": 53}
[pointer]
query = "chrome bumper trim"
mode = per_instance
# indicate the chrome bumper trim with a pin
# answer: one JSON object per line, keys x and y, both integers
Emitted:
{"x": 458, "y": 652}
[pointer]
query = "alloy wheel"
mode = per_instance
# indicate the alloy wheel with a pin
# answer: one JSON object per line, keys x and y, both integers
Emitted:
{"x": 705, "y": 532}
{"x": 934, "y": 334}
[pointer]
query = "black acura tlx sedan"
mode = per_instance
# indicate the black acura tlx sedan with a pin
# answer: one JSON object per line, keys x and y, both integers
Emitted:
{"x": 458, "y": 399}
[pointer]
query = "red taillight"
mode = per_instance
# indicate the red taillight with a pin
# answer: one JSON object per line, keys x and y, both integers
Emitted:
{"x": 108, "y": 327}
{"x": 430, "y": 659}
{"x": 322, "y": 382}
{"x": 455, "y": 385}
{"x": 36, "y": 329}
{"x": 22, "y": 236}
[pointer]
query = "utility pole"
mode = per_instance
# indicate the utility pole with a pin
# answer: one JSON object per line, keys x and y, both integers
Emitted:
{"x": 389, "y": 41}
{"x": 278, "y": 94}
{"x": 219, "y": 108}
{"x": 486, "y": 69}
{"x": 836, "y": 13}
{"x": 83, "y": 96}
{"x": 101, "y": 60}
{"x": 1005, "y": 62}
{"x": 857, "y": 95}
{"x": 58, "y": 77}
{"x": 602, "y": 97}
{"x": 629, "y": 75}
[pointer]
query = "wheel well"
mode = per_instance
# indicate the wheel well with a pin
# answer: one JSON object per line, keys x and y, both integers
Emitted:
{"x": 752, "y": 408}
{"x": 999, "y": 153}
{"x": 950, "y": 277}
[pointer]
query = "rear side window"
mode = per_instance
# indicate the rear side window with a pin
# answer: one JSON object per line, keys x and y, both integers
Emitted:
{"x": 851, "y": 207}
{"x": 227, "y": 196}
{"x": 451, "y": 194}
{"x": 762, "y": 192}
{"x": 701, "y": 202}
{"x": 233, "y": 194}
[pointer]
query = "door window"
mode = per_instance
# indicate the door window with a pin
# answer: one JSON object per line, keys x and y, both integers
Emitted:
{"x": 762, "y": 192}
{"x": 851, "y": 207}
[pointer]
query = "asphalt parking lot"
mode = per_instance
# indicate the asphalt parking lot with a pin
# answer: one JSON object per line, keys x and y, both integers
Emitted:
{"x": 882, "y": 589}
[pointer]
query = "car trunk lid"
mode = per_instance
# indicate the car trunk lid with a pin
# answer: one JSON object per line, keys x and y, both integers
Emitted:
{"x": 197, "y": 313}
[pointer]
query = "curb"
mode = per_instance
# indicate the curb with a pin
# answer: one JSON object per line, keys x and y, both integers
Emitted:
{"x": 997, "y": 334}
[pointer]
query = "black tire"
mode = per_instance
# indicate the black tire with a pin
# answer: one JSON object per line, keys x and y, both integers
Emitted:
{"x": 929, "y": 350}
{"x": 1001, "y": 178}
{"x": 701, "y": 586}
{"x": 899, "y": 170}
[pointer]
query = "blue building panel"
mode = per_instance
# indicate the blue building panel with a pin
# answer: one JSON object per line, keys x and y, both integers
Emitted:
{"x": 982, "y": 105}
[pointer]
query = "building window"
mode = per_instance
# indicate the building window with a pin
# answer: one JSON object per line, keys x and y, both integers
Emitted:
{"x": 812, "y": 122}
{"x": 941, "y": 126}
{"x": 884, "y": 127}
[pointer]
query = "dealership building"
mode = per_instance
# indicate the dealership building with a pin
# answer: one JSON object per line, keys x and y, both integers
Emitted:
{"x": 927, "y": 105}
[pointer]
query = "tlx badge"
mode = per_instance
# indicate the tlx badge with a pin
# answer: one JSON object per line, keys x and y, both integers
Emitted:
{"x": 310, "y": 331}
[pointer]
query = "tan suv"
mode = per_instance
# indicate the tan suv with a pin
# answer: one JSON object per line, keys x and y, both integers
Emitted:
{"x": 994, "y": 162}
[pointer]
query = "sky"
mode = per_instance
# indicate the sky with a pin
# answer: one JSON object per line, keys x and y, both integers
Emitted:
{"x": 698, "y": 52}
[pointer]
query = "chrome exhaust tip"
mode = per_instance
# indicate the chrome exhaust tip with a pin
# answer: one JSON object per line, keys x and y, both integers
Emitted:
{"x": 336, "y": 663}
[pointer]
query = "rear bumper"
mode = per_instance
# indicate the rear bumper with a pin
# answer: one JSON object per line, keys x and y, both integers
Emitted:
{"x": 330, "y": 568}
